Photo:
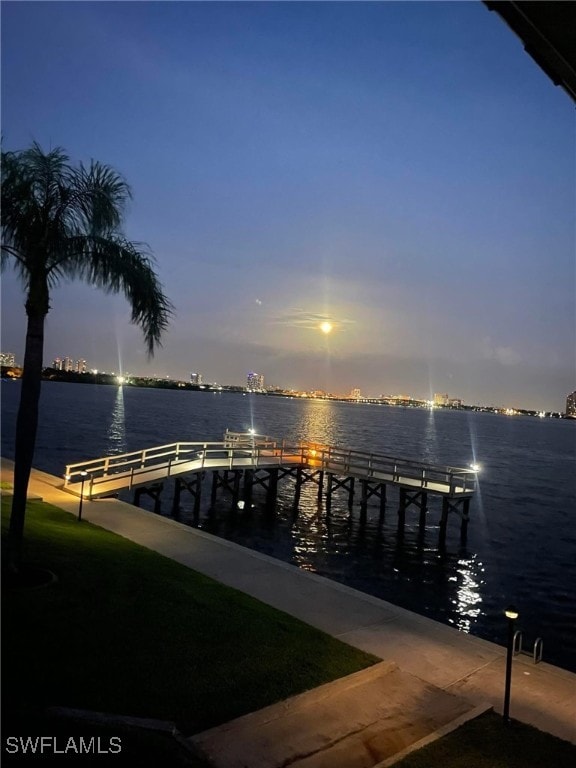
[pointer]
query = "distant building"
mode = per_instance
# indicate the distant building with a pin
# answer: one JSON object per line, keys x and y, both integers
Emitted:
{"x": 8, "y": 359}
{"x": 571, "y": 405}
{"x": 68, "y": 364}
{"x": 196, "y": 379}
{"x": 441, "y": 398}
{"x": 355, "y": 394}
{"x": 455, "y": 402}
{"x": 255, "y": 382}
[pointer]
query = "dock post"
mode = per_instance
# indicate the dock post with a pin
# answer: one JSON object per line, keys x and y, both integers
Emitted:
{"x": 236, "y": 488}
{"x": 197, "y": 495}
{"x": 157, "y": 500}
{"x": 329, "y": 492}
{"x": 320, "y": 484}
{"x": 382, "y": 501}
{"x": 297, "y": 490}
{"x": 402, "y": 510}
{"x": 444, "y": 520}
{"x": 464, "y": 523}
{"x": 272, "y": 489}
{"x": 248, "y": 482}
{"x": 364, "y": 501}
{"x": 423, "y": 510}
{"x": 351, "y": 494}
{"x": 176, "y": 499}
{"x": 153, "y": 491}
{"x": 214, "y": 487}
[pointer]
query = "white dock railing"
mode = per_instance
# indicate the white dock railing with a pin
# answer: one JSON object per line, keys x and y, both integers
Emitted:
{"x": 239, "y": 450}
{"x": 452, "y": 481}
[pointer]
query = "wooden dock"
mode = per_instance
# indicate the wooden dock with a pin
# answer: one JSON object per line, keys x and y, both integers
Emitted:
{"x": 242, "y": 461}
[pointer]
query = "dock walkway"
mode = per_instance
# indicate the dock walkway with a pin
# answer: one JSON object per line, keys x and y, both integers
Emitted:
{"x": 250, "y": 459}
{"x": 243, "y": 450}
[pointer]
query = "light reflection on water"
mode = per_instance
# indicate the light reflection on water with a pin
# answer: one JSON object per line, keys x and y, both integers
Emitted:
{"x": 521, "y": 538}
{"x": 117, "y": 428}
{"x": 468, "y": 597}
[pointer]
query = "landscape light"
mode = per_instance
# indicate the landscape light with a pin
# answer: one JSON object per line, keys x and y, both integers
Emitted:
{"x": 83, "y": 475}
{"x": 511, "y": 614}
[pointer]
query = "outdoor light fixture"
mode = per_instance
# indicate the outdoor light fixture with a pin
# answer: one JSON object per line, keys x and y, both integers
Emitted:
{"x": 511, "y": 614}
{"x": 475, "y": 467}
{"x": 83, "y": 475}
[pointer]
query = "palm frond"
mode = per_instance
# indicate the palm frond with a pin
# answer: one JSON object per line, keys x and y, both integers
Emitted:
{"x": 117, "y": 265}
{"x": 60, "y": 221}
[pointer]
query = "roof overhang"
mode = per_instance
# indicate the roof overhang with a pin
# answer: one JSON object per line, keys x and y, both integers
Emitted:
{"x": 548, "y": 31}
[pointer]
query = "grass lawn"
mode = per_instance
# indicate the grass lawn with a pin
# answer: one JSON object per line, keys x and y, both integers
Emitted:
{"x": 487, "y": 743}
{"x": 125, "y": 630}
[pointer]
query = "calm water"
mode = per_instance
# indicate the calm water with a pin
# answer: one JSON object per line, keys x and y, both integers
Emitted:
{"x": 521, "y": 544}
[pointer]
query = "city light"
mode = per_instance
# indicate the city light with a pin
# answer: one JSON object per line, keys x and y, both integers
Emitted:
{"x": 67, "y": 369}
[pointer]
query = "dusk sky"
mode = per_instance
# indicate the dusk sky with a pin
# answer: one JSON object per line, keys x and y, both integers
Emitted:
{"x": 404, "y": 171}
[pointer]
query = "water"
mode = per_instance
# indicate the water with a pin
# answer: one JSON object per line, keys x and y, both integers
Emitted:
{"x": 522, "y": 535}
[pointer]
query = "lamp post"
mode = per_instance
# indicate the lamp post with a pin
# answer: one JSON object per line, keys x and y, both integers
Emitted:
{"x": 511, "y": 614}
{"x": 83, "y": 475}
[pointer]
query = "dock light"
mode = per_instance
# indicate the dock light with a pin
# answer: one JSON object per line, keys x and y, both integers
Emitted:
{"x": 475, "y": 467}
{"x": 251, "y": 431}
{"x": 83, "y": 475}
{"x": 511, "y": 614}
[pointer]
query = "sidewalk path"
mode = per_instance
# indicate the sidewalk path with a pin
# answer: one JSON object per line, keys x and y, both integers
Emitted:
{"x": 542, "y": 695}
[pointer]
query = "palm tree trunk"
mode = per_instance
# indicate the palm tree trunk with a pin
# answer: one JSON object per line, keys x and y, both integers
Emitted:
{"x": 27, "y": 420}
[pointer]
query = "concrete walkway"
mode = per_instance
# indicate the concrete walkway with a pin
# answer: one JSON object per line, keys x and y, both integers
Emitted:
{"x": 458, "y": 663}
{"x": 369, "y": 719}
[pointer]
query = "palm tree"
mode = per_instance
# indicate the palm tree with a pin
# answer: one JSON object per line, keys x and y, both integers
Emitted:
{"x": 61, "y": 222}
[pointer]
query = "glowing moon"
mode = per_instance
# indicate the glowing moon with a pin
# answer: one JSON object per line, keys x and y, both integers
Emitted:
{"x": 326, "y": 327}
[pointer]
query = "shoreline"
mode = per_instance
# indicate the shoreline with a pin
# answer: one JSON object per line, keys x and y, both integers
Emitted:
{"x": 140, "y": 382}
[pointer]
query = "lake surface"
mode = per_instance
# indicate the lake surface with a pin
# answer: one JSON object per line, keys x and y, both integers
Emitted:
{"x": 521, "y": 545}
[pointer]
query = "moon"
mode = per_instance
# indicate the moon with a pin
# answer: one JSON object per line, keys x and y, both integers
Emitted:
{"x": 326, "y": 327}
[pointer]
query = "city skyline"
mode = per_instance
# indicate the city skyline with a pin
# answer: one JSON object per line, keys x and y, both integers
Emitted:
{"x": 254, "y": 382}
{"x": 374, "y": 195}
